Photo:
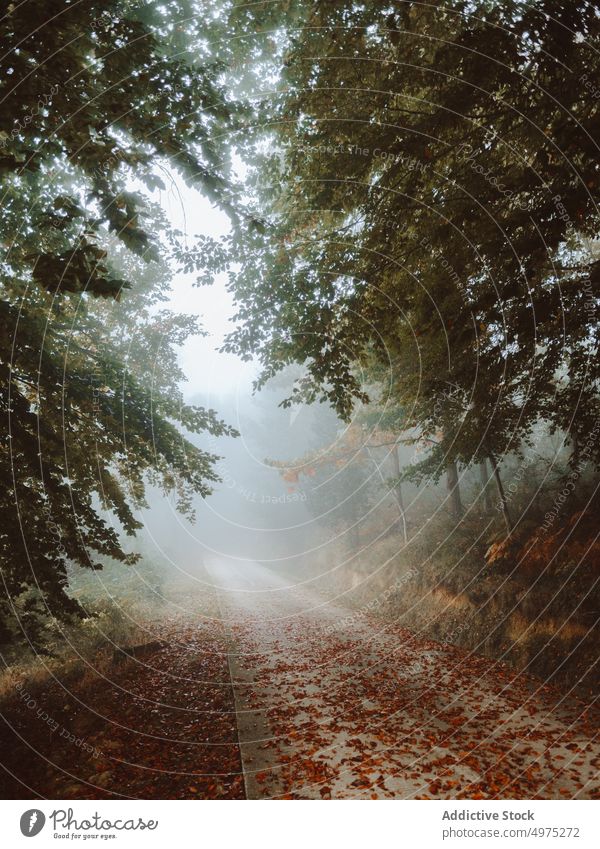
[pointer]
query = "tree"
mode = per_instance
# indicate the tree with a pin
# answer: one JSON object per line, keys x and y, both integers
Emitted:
{"x": 428, "y": 197}
{"x": 485, "y": 490}
{"x": 91, "y": 101}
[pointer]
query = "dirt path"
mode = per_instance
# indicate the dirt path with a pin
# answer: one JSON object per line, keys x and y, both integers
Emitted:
{"x": 334, "y": 705}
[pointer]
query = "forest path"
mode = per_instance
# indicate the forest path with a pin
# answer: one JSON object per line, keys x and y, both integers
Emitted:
{"x": 333, "y": 704}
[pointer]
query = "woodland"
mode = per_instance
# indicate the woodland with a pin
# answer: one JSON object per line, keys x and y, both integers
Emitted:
{"x": 412, "y": 255}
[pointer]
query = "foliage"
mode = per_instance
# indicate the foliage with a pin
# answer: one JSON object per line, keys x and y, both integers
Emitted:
{"x": 426, "y": 196}
{"x": 93, "y": 103}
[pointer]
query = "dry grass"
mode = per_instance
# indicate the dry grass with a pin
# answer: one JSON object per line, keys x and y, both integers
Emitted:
{"x": 83, "y": 650}
{"x": 523, "y": 630}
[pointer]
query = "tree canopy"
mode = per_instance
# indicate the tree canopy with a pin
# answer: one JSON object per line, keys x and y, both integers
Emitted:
{"x": 430, "y": 186}
{"x": 97, "y": 101}
{"x": 413, "y": 203}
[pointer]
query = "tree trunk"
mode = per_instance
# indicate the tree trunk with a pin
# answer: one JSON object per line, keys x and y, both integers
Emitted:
{"x": 575, "y": 451}
{"x": 501, "y": 494}
{"x": 456, "y": 505}
{"x": 353, "y": 529}
{"x": 398, "y": 489}
{"x": 485, "y": 489}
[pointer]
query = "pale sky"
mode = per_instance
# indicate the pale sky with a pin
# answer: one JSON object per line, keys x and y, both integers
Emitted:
{"x": 207, "y": 369}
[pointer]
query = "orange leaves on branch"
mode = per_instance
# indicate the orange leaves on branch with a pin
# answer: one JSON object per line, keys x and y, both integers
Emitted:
{"x": 351, "y": 447}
